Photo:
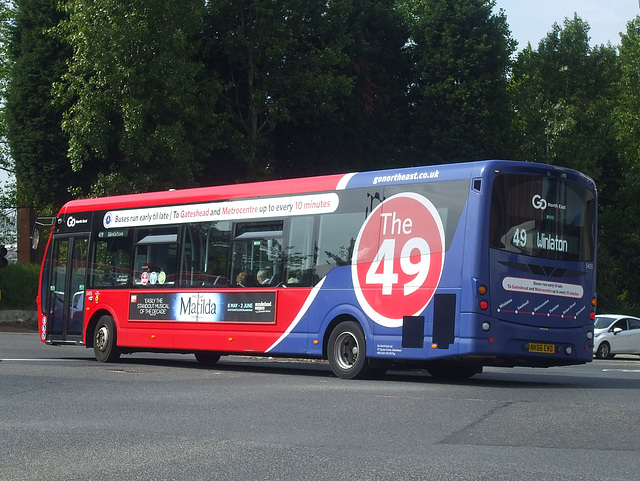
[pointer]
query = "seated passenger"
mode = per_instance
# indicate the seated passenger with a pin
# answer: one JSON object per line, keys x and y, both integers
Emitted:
{"x": 263, "y": 276}
{"x": 247, "y": 280}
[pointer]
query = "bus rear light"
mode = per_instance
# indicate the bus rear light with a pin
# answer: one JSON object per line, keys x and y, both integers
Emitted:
{"x": 594, "y": 302}
{"x": 589, "y": 335}
{"x": 491, "y": 340}
{"x": 486, "y": 326}
{"x": 484, "y": 305}
{"x": 592, "y": 316}
{"x": 482, "y": 290}
{"x": 568, "y": 350}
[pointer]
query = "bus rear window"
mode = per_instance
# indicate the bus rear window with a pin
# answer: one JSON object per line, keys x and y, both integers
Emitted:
{"x": 546, "y": 217}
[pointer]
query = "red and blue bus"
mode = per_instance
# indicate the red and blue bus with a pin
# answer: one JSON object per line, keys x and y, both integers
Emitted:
{"x": 446, "y": 268}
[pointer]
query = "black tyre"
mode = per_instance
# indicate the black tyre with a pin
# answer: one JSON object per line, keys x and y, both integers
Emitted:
{"x": 604, "y": 351}
{"x": 207, "y": 358}
{"x": 346, "y": 351}
{"x": 104, "y": 340}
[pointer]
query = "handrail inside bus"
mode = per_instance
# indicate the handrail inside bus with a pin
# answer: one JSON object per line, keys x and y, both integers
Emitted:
{"x": 41, "y": 223}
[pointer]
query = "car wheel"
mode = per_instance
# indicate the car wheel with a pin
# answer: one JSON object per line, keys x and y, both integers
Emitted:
{"x": 603, "y": 351}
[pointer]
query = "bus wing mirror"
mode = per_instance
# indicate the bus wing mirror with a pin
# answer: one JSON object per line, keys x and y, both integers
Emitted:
{"x": 35, "y": 238}
{"x": 40, "y": 223}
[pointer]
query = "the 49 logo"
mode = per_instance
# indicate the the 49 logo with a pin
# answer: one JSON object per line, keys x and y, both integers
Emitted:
{"x": 398, "y": 258}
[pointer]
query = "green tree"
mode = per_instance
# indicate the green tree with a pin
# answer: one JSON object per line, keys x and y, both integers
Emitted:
{"x": 141, "y": 109}
{"x": 624, "y": 242}
{"x": 563, "y": 97}
{"x": 37, "y": 144}
{"x": 367, "y": 129}
{"x": 461, "y": 52}
{"x": 7, "y": 14}
{"x": 7, "y": 191}
{"x": 281, "y": 61}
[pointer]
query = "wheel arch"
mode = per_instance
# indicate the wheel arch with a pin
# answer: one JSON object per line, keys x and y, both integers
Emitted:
{"x": 91, "y": 325}
{"x": 341, "y": 314}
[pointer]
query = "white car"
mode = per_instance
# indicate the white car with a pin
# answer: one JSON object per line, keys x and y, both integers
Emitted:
{"x": 616, "y": 334}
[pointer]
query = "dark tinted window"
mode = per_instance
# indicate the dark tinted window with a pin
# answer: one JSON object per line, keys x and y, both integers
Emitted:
{"x": 542, "y": 217}
{"x": 111, "y": 260}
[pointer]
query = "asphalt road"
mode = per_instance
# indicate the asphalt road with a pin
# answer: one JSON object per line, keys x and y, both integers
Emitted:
{"x": 65, "y": 416}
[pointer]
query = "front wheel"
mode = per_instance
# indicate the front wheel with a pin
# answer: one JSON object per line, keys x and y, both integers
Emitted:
{"x": 104, "y": 340}
{"x": 346, "y": 351}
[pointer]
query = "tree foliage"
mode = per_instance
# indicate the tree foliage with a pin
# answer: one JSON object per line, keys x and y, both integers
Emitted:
{"x": 366, "y": 126}
{"x": 38, "y": 146}
{"x": 280, "y": 61}
{"x": 461, "y": 54}
{"x": 141, "y": 112}
{"x": 7, "y": 14}
{"x": 107, "y": 97}
{"x": 624, "y": 245}
{"x": 563, "y": 97}
{"x": 561, "y": 94}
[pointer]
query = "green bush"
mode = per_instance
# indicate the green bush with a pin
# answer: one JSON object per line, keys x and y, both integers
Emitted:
{"x": 19, "y": 286}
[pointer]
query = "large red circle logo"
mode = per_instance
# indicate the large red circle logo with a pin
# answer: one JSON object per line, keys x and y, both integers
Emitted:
{"x": 398, "y": 258}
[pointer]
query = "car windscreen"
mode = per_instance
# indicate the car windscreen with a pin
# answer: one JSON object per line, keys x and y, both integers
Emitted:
{"x": 603, "y": 322}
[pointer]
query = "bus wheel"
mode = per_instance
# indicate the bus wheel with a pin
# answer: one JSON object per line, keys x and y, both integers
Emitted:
{"x": 207, "y": 358}
{"x": 346, "y": 351}
{"x": 104, "y": 340}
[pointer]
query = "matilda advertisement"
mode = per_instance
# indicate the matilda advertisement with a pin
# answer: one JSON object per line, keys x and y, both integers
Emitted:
{"x": 204, "y": 307}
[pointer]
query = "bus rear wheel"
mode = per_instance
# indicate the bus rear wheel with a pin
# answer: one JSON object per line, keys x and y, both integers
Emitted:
{"x": 346, "y": 351}
{"x": 104, "y": 340}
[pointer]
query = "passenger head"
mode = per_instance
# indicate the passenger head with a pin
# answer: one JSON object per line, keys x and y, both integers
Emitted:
{"x": 263, "y": 276}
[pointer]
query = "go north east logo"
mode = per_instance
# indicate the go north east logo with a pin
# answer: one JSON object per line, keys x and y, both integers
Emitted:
{"x": 72, "y": 221}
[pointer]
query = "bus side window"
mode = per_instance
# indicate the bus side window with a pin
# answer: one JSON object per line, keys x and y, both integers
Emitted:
{"x": 299, "y": 253}
{"x": 156, "y": 257}
{"x": 336, "y": 239}
{"x": 205, "y": 255}
{"x": 110, "y": 264}
{"x": 258, "y": 251}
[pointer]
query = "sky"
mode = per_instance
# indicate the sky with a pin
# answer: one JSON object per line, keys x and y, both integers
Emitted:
{"x": 531, "y": 20}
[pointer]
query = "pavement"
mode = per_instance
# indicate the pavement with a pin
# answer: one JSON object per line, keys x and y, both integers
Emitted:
{"x": 18, "y": 321}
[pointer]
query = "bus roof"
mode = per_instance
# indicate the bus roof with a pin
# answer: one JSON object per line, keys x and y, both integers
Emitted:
{"x": 292, "y": 186}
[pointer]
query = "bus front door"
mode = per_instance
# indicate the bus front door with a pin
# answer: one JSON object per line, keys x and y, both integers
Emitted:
{"x": 66, "y": 289}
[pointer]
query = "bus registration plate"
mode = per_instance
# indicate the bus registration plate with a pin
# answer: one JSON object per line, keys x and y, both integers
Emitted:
{"x": 544, "y": 348}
